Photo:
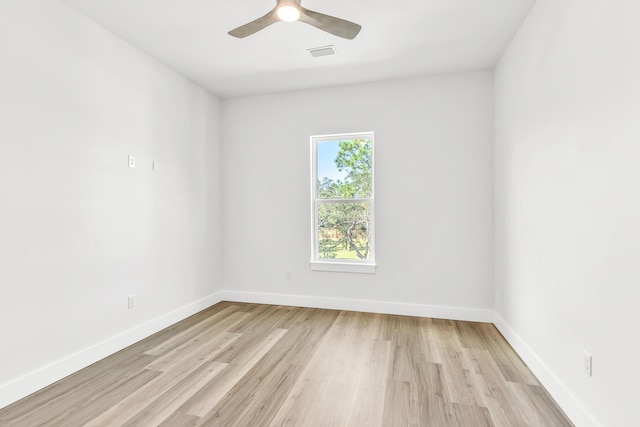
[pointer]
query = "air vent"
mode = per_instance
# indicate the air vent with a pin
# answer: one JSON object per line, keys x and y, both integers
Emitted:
{"x": 322, "y": 51}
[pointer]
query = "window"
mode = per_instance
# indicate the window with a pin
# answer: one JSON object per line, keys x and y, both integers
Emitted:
{"x": 342, "y": 198}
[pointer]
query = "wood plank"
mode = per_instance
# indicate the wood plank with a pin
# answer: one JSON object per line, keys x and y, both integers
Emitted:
{"x": 471, "y": 415}
{"x": 270, "y": 381}
{"x": 462, "y": 378}
{"x": 168, "y": 403}
{"x": 128, "y": 408}
{"x": 324, "y": 391}
{"x": 80, "y": 407}
{"x": 238, "y": 369}
{"x": 201, "y": 347}
{"x": 184, "y": 336}
{"x": 62, "y": 396}
{"x": 538, "y": 405}
{"x": 367, "y": 403}
{"x": 181, "y": 420}
{"x": 401, "y": 407}
{"x": 501, "y": 402}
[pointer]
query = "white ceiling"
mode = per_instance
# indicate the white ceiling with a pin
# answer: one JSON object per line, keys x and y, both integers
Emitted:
{"x": 398, "y": 39}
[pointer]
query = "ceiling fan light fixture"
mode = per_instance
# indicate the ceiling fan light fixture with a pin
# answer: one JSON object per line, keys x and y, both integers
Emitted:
{"x": 288, "y": 13}
{"x": 290, "y": 10}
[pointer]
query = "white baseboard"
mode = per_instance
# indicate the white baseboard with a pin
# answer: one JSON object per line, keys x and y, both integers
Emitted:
{"x": 367, "y": 306}
{"x": 27, "y": 384}
{"x": 578, "y": 414}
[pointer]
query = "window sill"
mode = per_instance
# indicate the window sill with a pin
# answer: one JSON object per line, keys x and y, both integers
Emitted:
{"x": 343, "y": 267}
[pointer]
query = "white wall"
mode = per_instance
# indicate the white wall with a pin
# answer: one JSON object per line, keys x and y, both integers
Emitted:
{"x": 79, "y": 231}
{"x": 433, "y": 194}
{"x": 568, "y": 201}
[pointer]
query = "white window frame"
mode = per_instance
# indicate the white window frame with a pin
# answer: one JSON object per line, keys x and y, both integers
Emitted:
{"x": 345, "y": 266}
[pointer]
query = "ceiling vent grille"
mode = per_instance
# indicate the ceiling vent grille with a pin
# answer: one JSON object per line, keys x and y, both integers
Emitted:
{"x": 322, "y": 51}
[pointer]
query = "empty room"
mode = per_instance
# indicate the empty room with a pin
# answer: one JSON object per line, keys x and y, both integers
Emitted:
{"x": 319, "y": 213}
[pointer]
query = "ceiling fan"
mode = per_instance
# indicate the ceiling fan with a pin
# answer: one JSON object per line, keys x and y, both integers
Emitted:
{"x": 289, "y": 11}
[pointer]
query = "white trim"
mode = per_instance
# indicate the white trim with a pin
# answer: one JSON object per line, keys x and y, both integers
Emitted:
{"x": 572, "y": 407}
{"x": 343, "y": 267}
{"x": 27, "y": 384}
{"x": 366, "y": 306}
{"x": 334, "y": 136}
{"x": 314, "y": 140}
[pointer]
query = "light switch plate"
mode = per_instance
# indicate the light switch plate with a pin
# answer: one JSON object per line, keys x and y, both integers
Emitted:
{"x": 588, "y": 364}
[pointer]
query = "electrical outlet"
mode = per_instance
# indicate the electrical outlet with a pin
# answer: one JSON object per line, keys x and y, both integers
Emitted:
{"x": 132, "y": 301}
{"x": 132, "y": 162}
{"x": 588, "y": 364}
{"x": 288, "y": 275}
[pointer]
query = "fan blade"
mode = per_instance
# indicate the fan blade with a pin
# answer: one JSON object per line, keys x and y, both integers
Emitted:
{"x": 336, "y": 26}
{"x": 255, "y": 26}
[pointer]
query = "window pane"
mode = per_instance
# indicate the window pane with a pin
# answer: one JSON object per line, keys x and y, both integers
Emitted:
{"x": 344, "y": 169}
{"x": 344, "y": 230}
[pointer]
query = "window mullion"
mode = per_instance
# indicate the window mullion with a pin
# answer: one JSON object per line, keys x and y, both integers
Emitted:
{"x": 363, "y": 200}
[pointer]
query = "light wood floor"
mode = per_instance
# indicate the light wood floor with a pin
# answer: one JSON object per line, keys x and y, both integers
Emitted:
{"x": 258, "y": 365}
